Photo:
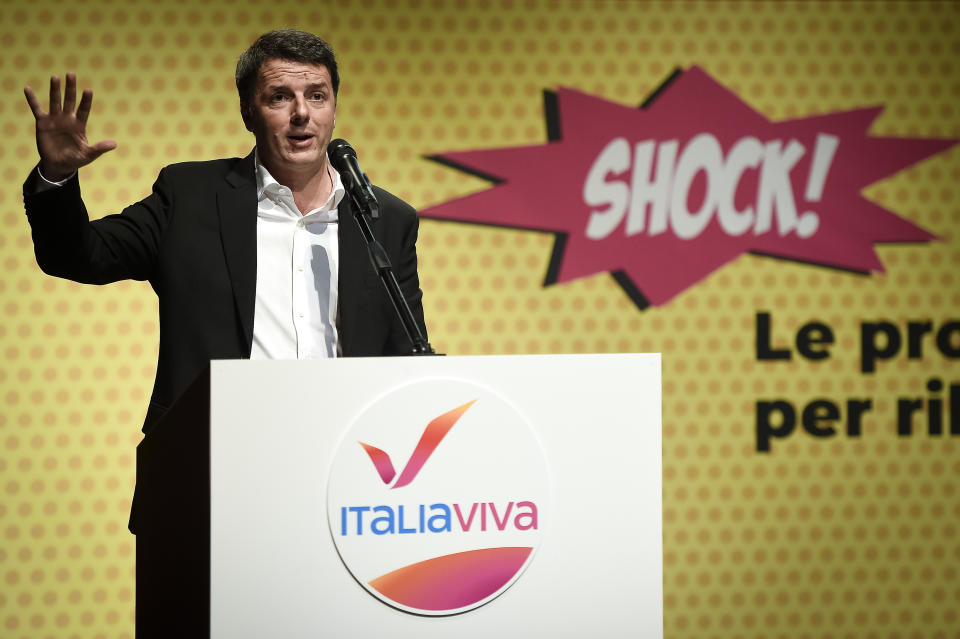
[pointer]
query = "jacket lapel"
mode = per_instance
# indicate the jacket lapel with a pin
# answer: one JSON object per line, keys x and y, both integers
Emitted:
{"x": 237, "y": 208}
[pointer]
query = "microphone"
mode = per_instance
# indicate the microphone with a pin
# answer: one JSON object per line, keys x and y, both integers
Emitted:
{"x": 344, "y": 160}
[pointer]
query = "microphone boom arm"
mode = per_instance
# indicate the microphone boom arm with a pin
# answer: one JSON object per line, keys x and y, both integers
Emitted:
{"x": 363, "y": 212}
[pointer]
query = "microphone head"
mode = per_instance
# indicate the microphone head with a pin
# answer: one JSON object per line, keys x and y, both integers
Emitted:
{"x": 338, "y": 151}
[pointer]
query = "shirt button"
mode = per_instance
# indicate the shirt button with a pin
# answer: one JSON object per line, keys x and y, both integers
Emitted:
{"x": 300, "y": 268}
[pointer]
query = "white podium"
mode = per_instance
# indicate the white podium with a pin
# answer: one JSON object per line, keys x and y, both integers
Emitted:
{"x": 406, "y": 497}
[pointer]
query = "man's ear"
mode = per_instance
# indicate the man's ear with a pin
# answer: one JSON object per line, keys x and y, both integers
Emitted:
{"x": 246, "y": 115}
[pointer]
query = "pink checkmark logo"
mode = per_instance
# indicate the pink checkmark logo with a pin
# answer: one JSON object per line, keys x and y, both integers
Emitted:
{"x": 433, "y": 434}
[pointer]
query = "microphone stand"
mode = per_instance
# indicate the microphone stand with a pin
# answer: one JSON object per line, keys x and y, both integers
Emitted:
{"x": 381, "y": 264}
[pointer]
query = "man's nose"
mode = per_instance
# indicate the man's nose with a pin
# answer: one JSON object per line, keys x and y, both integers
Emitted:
{"x": 300, "y": 113}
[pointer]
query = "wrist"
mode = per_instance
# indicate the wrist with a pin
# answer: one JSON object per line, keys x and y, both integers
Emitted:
{"x": 54, "y": 175}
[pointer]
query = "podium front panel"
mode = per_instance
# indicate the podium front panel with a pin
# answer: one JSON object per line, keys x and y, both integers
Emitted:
{"x": 436, "y": 496}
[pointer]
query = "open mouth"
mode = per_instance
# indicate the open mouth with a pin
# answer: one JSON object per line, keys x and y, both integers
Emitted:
{"x": 300, "y": 139}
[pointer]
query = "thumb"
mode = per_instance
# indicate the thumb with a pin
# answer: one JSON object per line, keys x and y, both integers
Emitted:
{"x": 100, "y": 148}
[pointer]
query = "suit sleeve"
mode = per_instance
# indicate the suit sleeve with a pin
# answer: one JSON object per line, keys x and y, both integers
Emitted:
{"x": 68, "y": 245}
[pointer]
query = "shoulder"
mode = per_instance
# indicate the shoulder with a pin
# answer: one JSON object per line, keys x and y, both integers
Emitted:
{"x": 204, "y": 170}
{"x": 394, "y": 206}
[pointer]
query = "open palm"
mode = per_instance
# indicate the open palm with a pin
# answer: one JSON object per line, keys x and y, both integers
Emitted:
{"x": 62, "y": 132}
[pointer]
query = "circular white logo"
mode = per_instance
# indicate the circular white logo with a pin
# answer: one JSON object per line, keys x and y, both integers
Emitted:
{"x": 438, "y": 497}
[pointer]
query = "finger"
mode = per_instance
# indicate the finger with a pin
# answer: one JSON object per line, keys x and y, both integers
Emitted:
{"x": 33, "y": 102}
{"x": 54, "y": 95}
{"x": 83, "y": 111}
{"x": 70, "y": 93}
{"x": 100, "y": 148}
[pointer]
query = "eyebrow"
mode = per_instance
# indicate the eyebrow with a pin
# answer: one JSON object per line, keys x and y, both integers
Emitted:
{"x": 317, "y": 85}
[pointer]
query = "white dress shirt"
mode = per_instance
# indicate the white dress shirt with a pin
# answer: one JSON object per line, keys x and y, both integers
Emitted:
{"x": 297, "y": 265}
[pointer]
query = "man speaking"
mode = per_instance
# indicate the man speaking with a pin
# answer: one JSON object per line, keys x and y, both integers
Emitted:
{"x": 247, "y": 255}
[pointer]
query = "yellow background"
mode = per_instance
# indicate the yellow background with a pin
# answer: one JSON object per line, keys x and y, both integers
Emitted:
{"x": 824, "y": 538}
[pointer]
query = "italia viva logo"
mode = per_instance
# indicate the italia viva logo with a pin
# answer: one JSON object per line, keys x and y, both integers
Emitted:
{"x": 465, "y": 530}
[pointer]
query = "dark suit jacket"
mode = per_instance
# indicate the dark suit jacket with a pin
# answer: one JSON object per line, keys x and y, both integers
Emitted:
{"x": 194, "y": 239}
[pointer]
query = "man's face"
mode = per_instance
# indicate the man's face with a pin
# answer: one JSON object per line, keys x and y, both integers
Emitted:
{"x": 292, "y": 115}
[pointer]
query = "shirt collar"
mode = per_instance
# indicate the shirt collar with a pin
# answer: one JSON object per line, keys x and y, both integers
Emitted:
{"x": 267, "y": 186}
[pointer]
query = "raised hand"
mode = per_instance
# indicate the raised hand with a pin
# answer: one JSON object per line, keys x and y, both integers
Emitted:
{"x": 62, "y": 133}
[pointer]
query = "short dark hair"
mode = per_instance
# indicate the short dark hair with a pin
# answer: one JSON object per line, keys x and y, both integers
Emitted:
{"x": 285, "y": 44}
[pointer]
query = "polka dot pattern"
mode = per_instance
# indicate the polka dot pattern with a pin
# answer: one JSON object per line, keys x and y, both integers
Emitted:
{"x": 838, "y": 537}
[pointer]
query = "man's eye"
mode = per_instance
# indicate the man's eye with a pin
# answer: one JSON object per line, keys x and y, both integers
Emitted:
{"x": 277, "y": 97}
{"x": 317, "y": 97}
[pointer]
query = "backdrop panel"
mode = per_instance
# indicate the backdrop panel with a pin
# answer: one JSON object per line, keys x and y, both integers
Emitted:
{"x": 850, "y": 534}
